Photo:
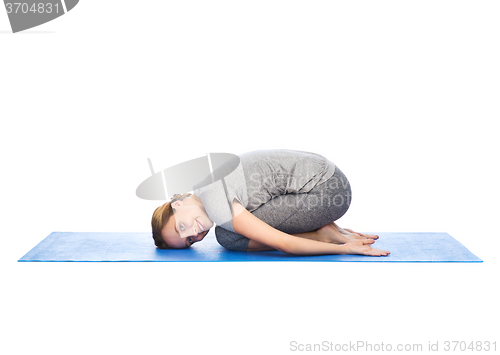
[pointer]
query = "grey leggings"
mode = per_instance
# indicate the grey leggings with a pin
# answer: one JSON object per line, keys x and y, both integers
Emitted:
{"x": 298, "y": 213}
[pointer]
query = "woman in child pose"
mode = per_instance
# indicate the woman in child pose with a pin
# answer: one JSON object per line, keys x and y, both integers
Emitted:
{"x": 266, "y": 200}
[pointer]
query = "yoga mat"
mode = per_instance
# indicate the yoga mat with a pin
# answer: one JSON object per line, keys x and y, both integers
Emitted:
{"x": 100, "y": 246}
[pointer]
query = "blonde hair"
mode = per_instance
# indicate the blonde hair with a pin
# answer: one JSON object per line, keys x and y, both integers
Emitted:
{"x": 161, "y": 215}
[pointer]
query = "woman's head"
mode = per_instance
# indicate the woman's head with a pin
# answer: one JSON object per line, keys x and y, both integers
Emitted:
{"x": 180, "y": 222}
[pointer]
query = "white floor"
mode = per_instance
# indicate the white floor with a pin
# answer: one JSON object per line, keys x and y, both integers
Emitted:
{"x": 403, "y": 97}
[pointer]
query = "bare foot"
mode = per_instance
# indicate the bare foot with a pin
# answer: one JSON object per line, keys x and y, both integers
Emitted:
{"x": 364, "y": 235}
{"x": 352, "y": 234}
{"x": 330, "y": 234}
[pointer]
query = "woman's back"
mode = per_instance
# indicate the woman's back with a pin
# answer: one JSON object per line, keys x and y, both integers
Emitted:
{"x": 259, "y": 177}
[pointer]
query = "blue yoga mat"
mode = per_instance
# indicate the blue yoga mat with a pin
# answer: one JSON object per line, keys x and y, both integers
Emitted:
{"x": 100, "y": 246}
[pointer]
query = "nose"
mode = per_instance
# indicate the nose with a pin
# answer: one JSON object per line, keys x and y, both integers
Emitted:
{"x": 191, "y": 232}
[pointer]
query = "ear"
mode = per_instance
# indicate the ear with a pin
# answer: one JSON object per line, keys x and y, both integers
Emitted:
{"x": 177, "y": 204}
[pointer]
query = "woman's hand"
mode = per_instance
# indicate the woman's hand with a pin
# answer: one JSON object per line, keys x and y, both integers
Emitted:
{"x": 246, "y": 224}
{"x": 363, "y": 247}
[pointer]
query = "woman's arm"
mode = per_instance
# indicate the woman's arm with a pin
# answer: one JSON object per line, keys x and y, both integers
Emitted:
{"x": 253, "y": 228}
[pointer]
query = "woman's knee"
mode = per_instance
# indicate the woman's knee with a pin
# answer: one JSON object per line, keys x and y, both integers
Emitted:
{"x": 231, "y": 240}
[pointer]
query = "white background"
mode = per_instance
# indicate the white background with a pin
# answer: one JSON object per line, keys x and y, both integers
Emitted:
{"x": 402, "y": 96}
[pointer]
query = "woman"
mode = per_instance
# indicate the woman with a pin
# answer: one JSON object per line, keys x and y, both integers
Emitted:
{"x": 266, "y": 200}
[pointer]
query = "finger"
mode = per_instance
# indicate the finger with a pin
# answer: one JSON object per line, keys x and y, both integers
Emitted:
{"x": 378, "y": 252}
{"x": 367, "y": 241}
{"x": 367, "y": 250}
{"x": 362, "y": 242}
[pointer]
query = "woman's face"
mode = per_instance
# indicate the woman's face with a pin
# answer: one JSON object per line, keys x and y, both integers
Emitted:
{"x": 189, "y": 224}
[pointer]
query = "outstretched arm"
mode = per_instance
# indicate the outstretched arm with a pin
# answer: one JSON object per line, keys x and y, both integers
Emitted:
{"x": 253, "y": 228}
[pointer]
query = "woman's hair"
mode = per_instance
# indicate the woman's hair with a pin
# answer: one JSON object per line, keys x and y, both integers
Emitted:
{"x": 161, "y": 216}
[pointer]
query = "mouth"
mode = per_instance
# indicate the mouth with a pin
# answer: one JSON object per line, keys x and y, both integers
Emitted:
{"x": 202, "y": 229}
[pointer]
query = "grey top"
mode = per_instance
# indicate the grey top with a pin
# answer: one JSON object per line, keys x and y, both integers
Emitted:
{"x": 258, "y": 177}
